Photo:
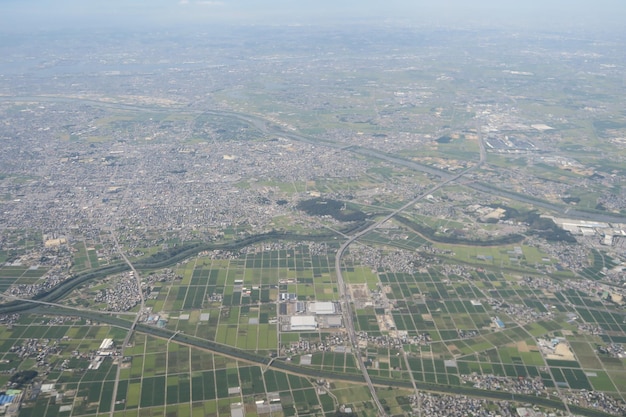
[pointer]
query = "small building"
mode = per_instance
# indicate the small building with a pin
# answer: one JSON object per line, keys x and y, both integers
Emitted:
{"x": 499, "y": 323}
{"x": 273, "y": 397}
{"x": 6, "y": 399}
{"x": 282, "y": 309}
{"x": 237, "y": 410}
{"x": 106, "y": 344}
{"x": 47, "y": 388}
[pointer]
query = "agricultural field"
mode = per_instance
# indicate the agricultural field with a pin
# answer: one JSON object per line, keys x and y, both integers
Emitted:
{"x": 15, "y": 275}
{"x": 157, "y": 375}
{"x": 441, "y": 326}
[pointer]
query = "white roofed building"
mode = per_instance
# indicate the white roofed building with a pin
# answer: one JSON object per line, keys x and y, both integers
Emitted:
{"x": 303, "y": 323}
{"x": 322, "y": 307}
{"x": 106, "y": 344}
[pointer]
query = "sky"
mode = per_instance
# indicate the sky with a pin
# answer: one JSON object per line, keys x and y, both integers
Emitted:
{"x": 31, "y": 15}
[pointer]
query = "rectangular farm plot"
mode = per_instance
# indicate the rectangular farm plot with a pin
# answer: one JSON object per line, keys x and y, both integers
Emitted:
{"x": 601, "y": 381}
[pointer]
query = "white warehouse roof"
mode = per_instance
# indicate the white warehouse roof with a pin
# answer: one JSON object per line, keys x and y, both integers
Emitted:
{"x": 106, "y": 344}
{"x": 300, "y": 323}
{"x": 323, "y": 307}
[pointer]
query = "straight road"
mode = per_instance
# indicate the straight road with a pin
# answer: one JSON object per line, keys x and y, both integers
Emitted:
{"x": 133, "y": 325}
{"x": 344, "y": 295}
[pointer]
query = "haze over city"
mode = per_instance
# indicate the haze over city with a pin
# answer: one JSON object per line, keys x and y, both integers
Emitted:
{"x": 549, "y": 15}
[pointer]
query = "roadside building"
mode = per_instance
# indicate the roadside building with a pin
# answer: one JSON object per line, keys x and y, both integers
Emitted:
{"x": 322, "y": 307}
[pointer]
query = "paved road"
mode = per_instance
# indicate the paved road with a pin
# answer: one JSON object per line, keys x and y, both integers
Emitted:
{"x": 344, "y": 296}
{"x": 133, "y": 325}
{"x": 81, "y": 309}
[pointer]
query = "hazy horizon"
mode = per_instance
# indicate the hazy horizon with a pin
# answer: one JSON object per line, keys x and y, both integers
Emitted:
{"x": 550, "y": 15}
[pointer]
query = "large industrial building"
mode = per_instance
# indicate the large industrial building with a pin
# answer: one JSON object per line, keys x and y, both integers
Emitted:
{"x": 321, "y": 308}
{"x": 303, "y": 323}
